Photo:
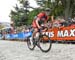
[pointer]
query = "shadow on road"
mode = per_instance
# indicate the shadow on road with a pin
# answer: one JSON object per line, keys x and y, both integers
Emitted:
{"x": 64, "y": 42}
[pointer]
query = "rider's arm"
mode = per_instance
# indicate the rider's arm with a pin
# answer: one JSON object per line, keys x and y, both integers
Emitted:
{"x": 37, "y": 22}
{"x": 52, "y": 18}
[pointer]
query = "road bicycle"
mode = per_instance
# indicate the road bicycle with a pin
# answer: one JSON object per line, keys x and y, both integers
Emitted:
{"x": 41, "y": 40}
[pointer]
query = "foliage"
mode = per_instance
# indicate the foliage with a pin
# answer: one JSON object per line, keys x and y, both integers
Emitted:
{"x": 59, "y": 7}
{"x": 1, "y": 26}
{"x": 22, "y": 15}
{"x": 19, "y": 16}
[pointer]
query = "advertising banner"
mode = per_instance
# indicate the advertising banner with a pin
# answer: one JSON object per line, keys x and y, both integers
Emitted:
{"x": 21, "y": 35}
{"x": 61, "y": 33}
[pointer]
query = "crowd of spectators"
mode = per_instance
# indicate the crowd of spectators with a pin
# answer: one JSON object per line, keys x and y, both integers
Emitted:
{"x": 60, "y": 21}
{"x": 57, "y": 22}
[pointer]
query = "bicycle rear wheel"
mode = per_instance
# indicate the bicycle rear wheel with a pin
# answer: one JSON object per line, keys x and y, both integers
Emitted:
{"x": 30, "y": 44}
{"x": 45, "y": 43}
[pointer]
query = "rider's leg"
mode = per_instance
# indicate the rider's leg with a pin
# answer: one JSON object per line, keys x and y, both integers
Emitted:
{"x": 34, "y": 32}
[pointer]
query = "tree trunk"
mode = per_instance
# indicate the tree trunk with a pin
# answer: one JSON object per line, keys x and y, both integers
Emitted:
{"x": 67, "y": 9}
{"x": 70, "y": 12}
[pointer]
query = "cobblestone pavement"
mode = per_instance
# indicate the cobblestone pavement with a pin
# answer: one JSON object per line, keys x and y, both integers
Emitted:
{"x": 13, "y": 50}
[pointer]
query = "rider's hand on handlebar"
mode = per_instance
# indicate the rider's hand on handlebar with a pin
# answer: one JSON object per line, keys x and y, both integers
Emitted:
{"x": 39, "y": 27}
{"x": 45, "y": 29}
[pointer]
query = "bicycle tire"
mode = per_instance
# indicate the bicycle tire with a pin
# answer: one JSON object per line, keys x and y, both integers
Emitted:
{"x": 29, "y": 42}
{"x": 41, "y": 41}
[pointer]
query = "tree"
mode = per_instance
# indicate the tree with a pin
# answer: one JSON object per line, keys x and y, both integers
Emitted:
{"x": 68, "y": 8}
{"x": 1, "y": 26}
{"x": 59, "y": 7}
{"x": 20, "y": 15}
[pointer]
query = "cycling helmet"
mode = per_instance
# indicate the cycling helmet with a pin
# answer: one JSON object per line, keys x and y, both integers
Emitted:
{"x": 48, "y": 9}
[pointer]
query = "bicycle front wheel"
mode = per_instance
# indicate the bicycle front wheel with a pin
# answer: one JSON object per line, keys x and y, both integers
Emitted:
{"x": 45, "y": 43}
{"x": 30, "y": 44}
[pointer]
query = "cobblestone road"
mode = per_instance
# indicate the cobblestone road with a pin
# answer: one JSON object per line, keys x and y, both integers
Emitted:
{"x": 13, "y": 50}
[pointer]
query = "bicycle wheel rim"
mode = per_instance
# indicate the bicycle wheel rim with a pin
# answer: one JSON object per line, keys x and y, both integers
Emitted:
{"x": 45, "y": 45}
{"x": 30, "y": 44}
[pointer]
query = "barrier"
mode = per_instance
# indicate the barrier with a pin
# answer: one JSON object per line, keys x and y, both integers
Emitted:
{"x": 62, "y": 33}
{"x": 21, "y": 35}
{"x": 0, "y": 36}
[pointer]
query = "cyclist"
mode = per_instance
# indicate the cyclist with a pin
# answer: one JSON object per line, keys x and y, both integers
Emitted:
{"x": 40, "y": 19}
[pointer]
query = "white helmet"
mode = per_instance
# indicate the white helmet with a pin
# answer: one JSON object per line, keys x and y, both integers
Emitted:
{"x": 48, "y": 9}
